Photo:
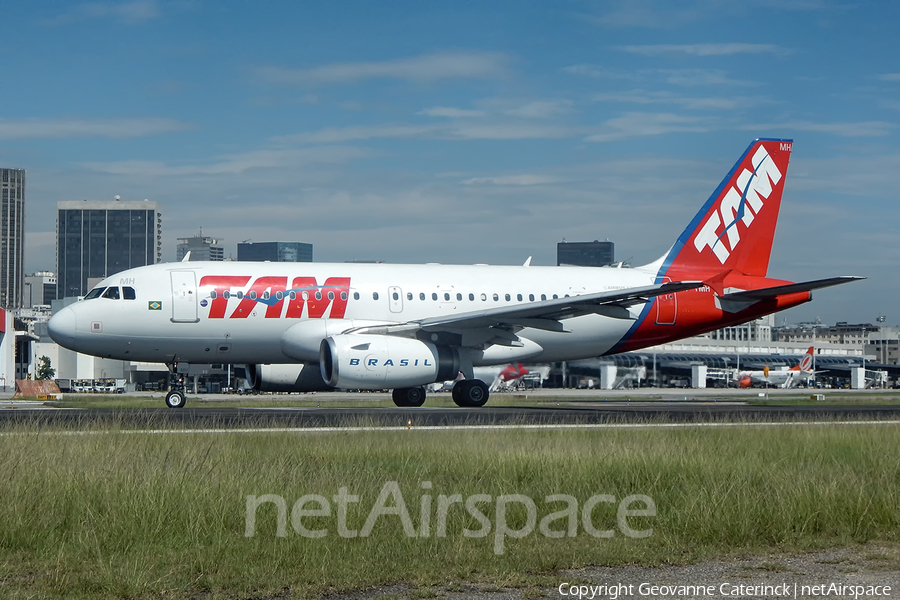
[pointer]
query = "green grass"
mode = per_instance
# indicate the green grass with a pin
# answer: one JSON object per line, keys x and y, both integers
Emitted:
{"x": 126, "y": 515}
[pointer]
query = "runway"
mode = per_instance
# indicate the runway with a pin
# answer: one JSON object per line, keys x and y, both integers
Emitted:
{"x": 587, "y": 413}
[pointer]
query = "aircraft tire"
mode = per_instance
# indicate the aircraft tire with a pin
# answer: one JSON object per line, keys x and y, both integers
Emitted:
{"x": 175, "y": 399}
{"x": 470, "y": 393}
{"x": 407, "y": 397}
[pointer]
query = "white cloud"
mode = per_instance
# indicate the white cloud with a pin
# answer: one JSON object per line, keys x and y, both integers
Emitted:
{"x": 641, "y": 124}
{"x": 644, "y": 97}
{"x": 860, "y": 129}
{"x": 452, "y": 113}
{"x": 129, "y": 13}
{"x": 332, "y": 135}
{"x": 695, "y": 77}
{"x": 541, "y": 109}
{"x": 293, "y": 158}
{"x": 702, "y": 49}
{"x": 425, "y": 68}
{"x": 524, "y": 179}
{"x": 18, "y": 129}
{"x": 889, "y": 76}
{"x": 448, "y": 131}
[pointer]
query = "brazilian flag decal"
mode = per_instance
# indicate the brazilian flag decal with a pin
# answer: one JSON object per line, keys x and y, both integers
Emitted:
{"x": 155, "y": 305}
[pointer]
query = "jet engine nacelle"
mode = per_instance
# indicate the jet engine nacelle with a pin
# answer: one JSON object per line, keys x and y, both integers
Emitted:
{"x": 285, "y": 378}
{"x": 374, "y": 362}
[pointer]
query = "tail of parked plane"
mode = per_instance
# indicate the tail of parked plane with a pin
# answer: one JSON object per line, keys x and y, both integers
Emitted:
{"x": 806, "y": 362}
{"x": 733, "y": 232}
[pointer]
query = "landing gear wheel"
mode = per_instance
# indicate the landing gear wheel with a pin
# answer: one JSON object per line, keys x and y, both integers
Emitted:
{"x": 405, "y": 397}
{"x": 176, "y": 396}
{"x": 470, "y": 393}
{"x": 175, "y": 399}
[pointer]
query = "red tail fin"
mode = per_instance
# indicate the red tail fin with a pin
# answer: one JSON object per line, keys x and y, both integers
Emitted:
{"x": 805, "y": 362}
{"x": 734, "y": 229}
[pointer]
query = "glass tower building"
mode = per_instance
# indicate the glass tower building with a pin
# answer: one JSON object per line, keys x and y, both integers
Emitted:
{"x": 12, "y": 237}
{"x": 275, "y": 251}
{"x": 97, "y": 239}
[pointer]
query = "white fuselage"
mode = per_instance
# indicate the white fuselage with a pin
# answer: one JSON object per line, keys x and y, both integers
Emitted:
{"x": 179, "y": 312}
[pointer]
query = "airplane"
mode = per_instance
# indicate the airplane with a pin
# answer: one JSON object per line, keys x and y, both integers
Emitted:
{"x": 319, "y": 326}
{"x": 785, "y": 378}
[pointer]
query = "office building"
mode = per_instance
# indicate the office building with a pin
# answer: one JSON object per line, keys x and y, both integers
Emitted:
{"x": 585, "y": 254}
{"x": 275, "y": 251}
{"x": 201, "y": 248}
{"x": 39, "y": 289}
{"x": 97, "y": 239}
{"x": 12, "y": 237}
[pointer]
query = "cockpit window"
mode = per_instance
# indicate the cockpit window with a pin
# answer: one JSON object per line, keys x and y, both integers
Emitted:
{"x": 128, "y": 293}
{"x": 112, "y": 293}
{"x": 94, "y": 293}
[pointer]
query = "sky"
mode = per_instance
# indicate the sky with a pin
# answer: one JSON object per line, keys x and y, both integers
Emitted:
{"x": 465, "y": 132}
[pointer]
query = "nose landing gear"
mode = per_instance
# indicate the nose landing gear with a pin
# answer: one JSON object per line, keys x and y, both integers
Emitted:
{"x": 176, "y": 398}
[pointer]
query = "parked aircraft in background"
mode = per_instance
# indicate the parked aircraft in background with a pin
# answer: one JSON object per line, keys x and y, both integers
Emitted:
{"x": 784, "y": 378}
{"x": 315, "y": 326}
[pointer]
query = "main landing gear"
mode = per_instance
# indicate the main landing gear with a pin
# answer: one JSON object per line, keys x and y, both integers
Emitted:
{"x": 405, "y": 397}
{"x": 470, "y": 393}
{"x": 176, "y": 397}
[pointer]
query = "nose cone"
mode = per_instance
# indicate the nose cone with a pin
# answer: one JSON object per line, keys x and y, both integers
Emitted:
{"x": 62, "y": 327}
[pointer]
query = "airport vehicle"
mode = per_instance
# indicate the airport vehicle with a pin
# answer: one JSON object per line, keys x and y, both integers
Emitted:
{"x": 309, "y": 326}
{"x": 784, "y": 378}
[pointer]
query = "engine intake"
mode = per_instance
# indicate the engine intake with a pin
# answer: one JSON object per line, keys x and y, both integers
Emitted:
{"x": 374, "y": 362}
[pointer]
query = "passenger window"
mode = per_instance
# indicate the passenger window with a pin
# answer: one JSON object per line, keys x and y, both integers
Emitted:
{"x": 240, "y": 295}
{"x": 409, "y": 296}
{"x": 343, "y": 295}
{"x": 472, "y": 297}
{"x": 226, "y": 294}
{"x": 331, "y": 295}
{"x": 95, "y": 293}
{"x": 252, "y": 294}
{"x": 279, "y": 295}
{"x": 396, "y": 296}
{"x": 531, "y": 297}
{"x": 507, "y": 297}
{"x": 356, "y": 295}
{"x": 213, "y": 295}
{"x": 483, "y": 297}
{"x": 519, "y": 297}
{"x": 543, "y": 296}
{"x": 112, "y": 293}
{"x": 434, "y": 296}
{"x": 496, "y": 297}
{"x": 318, "y": 295}
{"x": 555, "y": 296}
{"x": 421, "y": 296}
{"x": 293, "y": 295}
{"x": 446, "y": 296}
{"x": 374, "y": 295}
{"x": 128, "y": 293}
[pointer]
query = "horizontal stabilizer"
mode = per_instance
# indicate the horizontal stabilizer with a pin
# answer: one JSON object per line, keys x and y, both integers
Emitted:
{"x": 738, "y": 301}
{"x": 791, "y": 288}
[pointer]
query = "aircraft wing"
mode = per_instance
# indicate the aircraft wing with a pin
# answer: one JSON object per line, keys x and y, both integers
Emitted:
{"x": 545, "y": 314}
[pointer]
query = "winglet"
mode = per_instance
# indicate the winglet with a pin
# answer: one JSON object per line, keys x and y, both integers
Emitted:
{"x": 527, "y": 262}
{"x": 187, "y": 257}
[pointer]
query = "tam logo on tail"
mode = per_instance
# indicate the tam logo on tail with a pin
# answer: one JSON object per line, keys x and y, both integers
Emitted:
{"x": 740, "y": 204}
{"x": 735, "y": 228}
